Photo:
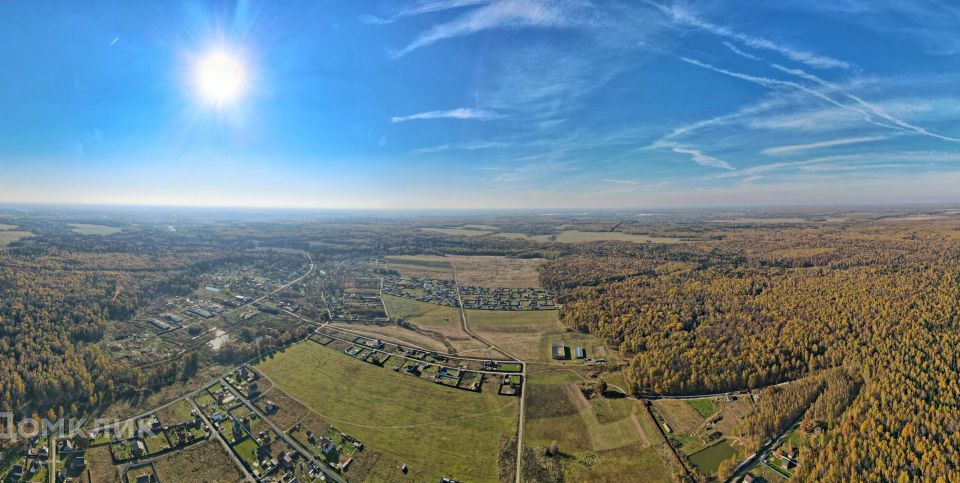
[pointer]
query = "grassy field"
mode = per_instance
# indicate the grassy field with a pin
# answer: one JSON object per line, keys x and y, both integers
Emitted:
{"x": 429, "y": 266}
{"x": 495, "y": 272}
{"x": 575, "y": 236}
{"x": 463, "y": 231}
{"x": 704, "y": 407}
{"x": 7, "y": 236}
{"x": 4, "y": 226}
{"x": 603, "y": 439}
{"x": 438, "y": 431}
{"x": 440, "y": 322}
{"x": 523, "y": 334}
{"x": 88, "y": 229}
{"x": 204, "y": 462}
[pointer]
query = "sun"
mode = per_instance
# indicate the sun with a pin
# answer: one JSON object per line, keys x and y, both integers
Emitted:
{"x": 221, "y": 78}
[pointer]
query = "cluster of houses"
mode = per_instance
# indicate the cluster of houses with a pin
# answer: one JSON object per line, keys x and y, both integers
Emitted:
{"x": 483, "y": 298}
{"x": 428, "y": 290}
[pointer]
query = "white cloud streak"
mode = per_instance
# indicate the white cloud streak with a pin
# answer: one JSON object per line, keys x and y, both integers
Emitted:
{"x": 499, "y": 15}
{"x": 463, "y": 113}
{"x": 683, "y": 16}
{"x": 702, "y": 159}
{"x": 796, "y": 148}
{"x": 869, "y": 112}
{"x": 420, "y": 8}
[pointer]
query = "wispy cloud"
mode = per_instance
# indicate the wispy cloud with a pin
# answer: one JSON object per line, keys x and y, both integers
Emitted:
{"x": 462, "y": 113}
{"x": 735, "y": 50}
{"x": 621, "y": 181}
{"x": 684, "y": 16}
{"x": 470, "y": 146}
{"x": 869, "y": 112}
{"x": 702, "y": 159}
{"x": 420, "y": 8}
{"x": 796, "y": 148}
{"x": 499, "y": 15}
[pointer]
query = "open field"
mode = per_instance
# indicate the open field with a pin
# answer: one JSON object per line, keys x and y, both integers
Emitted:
{"x": 7, "y": 236}
{"x": 463, "y": 231}
{"x": 522, "y": 334}
{"x": 394, "y": 331}
{"x": 437, "y": 321}
{"x": 439, "y": 431}
{"x": 204, "y": 462}
{"x": 575, "y": 236}
{"x": 88, "y": 229}
{"x": 495, "y": 272}
{"x": 4, "y": 226}
{"x": 603, "y": 439}
{"x": 429, "y": 266}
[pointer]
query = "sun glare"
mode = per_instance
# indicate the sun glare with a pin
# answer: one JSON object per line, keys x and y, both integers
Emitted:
{"x": 221, "y": 78}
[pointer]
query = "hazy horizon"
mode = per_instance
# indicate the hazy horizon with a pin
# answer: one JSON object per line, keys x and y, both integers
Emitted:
{"x": 480, "y": 104}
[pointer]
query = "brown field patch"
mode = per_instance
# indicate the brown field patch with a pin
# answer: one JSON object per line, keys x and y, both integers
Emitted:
{"x": 732, "y": 412}
{"x": 679, "y": 415}
{"x": 204, "y": 462}
{"x": 497, "y": 271}
{"x": 101, "y": 466}
{"x": 290, "y": 410}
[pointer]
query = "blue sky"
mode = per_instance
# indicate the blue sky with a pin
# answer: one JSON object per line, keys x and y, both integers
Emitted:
{"x": 483, "y": 104}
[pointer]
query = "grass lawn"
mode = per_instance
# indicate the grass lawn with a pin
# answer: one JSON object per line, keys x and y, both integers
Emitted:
{"x": 438, "y": 431}
{"x": 203, "y": 462}
{"x": 87, "y": 229}
{"x": 705, "y": 407}
{"x": 247, "y": 450}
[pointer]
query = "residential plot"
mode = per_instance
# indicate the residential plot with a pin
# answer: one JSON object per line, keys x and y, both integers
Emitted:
{"x": 436, "y": 430}
{"x": 203, "y": 462}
